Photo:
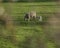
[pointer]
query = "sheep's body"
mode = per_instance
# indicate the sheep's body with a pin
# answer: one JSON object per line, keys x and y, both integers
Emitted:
{"x": 27, "y": 17}
{"x": 30, "y": 15}
{"x": 40, "y": 18}
{"x": 33, "y": 14}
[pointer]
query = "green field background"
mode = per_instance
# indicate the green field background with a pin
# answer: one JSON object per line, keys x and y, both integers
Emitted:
{"x": 28, "y": 35}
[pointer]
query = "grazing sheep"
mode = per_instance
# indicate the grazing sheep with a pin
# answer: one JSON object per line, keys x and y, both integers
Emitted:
{"x": 33, "y": 15}
{"x": 27, "y": 17}
{"x": 30, "y": 16}
{"x": 39, "y": 18}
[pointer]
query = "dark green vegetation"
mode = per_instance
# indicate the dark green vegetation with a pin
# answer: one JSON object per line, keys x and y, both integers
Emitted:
{"x": 29, "y": 0}
{"x": 27, "y": 34}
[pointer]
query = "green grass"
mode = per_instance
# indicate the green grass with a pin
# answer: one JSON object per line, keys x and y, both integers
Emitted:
{"x": 19, "y": 9}
{"x": 27, "y": 34}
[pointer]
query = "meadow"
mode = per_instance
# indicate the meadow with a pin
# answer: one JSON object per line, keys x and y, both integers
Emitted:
{"x": 27, "y": 34}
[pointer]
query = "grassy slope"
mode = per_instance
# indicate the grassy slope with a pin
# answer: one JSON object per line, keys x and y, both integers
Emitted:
{"x": 32, "y": 31}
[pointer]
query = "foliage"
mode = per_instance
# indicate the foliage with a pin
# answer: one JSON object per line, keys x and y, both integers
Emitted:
{"x": 29, "y": 0}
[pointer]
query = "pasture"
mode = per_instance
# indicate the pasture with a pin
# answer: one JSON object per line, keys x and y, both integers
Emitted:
{"x": 28, "y": 34}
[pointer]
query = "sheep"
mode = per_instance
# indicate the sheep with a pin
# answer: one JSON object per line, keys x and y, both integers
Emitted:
{"x": 30, "y": 16}
{"x": 39, "y": 18}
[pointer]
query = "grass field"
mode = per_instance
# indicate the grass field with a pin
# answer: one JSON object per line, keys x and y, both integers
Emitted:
{"x": 28, "y": 35}
{"x": 18, "y": 9}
